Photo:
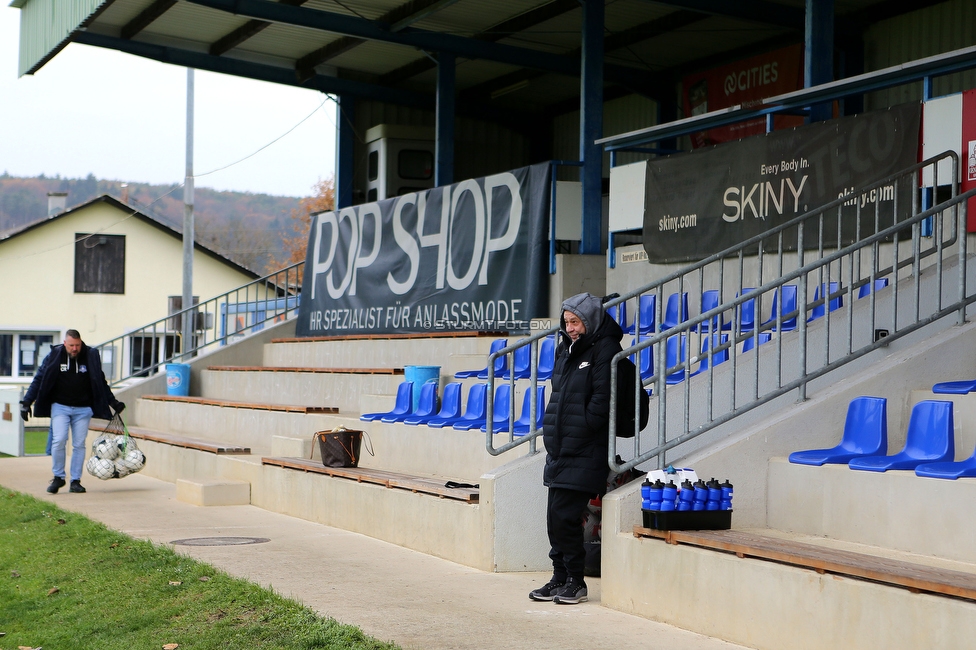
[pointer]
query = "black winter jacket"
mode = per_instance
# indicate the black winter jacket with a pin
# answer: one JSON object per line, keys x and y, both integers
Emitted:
{"x": 41, "y": 389}
{"x": 577, "y": 419}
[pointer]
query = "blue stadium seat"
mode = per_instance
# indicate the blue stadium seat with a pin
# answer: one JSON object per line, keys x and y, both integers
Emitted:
{"x": 677, "y": 352}
{"x": 500, "y": 407}
{"x": 619, "y": 314}
{"x": 474, "y": 409}
{"x": 672, "y": 316}
{"x": 547, "y": 358}
{"x": 522, "y": 424}
{"x": 522, "y": 364}
{"x": 832, "y": 305}
{"x": 710, "y": 299}
{"x": 784, "y": 307}
{"x": 403, "y": 404}
{"x": 715, "y": 340}
{"x": 745, "y": 314}
{"x": 426, "y": 404}
{"x": 865, "y": 290}
{"x": 865, "y": 434}
{"x": 496, "y": 345}
{"x": 646, "y": 312}
{"x": 646, "y": 365}
{"x": 929, "y": 440}
{"x": 955, "y": 387}
{"x": 450, "y": 406}
{"x": 951, "y": 470}
{"x": 750, "y": 343}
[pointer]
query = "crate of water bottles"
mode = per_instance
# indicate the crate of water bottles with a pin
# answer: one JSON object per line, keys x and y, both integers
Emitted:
{"x": 676, "y": 499}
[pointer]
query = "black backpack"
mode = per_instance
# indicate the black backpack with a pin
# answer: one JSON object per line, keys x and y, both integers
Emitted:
{"x": 626, "y": 376}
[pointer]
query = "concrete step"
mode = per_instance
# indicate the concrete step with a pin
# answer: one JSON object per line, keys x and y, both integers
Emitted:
{"x": 503, "y": 531}
{"x": 214, "y": 492}
{"x": 342, "y": 390}
{"x": 420, "y": 450}
{"x": 361, "y": 352}
{"x": 894, "y": 509}
{"x": 777, "y": 604}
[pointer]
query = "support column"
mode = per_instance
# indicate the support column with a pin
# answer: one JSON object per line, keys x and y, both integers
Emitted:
{"x": 591, "y": 126}
{"x": 818, "y": 52}
{"x": 345, "y": 158}
{"x": 444, "y": 156}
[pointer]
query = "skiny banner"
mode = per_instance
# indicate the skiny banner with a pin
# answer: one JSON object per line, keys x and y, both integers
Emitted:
{"x": 703, "y": 202}
{"x": 469, "y": 256}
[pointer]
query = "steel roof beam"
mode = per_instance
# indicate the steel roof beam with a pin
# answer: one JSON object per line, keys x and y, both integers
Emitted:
{"x": 245, "y": 31}
{"x": 940, "y": 64}
{"x": 759, "y": 11}
{"x": 146, "y": 17}
{"x": 398, "y": 18}
{"x": 495, "y": 33}
{"x": 259, "y": 71}
{"x": 426, "y": 40}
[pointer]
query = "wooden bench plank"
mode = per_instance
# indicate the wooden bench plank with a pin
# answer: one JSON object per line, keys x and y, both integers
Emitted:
{"x": 912, "y": 576}
{"x": 337, "y": 371}
{"x": 182, "y": 441}
{"x": 286, "y": 408}
{"x": 379, "y": 477}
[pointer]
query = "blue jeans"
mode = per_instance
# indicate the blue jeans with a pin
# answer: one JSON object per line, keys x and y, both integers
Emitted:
{"x": 77, "y": 417}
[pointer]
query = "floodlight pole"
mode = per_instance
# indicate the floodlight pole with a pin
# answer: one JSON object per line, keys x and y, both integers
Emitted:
{"x": 188, "y": 317}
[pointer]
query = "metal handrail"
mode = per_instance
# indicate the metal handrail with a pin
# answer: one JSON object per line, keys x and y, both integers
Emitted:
{"x": 141, "y": 352}
{"x": 875, "y": 254}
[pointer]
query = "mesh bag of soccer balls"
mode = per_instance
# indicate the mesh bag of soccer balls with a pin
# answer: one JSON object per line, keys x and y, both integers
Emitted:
{"x": 114, "y": 453}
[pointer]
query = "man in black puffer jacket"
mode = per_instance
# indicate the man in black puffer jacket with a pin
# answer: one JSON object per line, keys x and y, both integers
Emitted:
{"x": 575, "y": 431}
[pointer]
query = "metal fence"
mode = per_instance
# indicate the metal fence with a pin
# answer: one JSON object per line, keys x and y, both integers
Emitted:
{"x": 217, "y": 321}
{"x": 787, "y": 307}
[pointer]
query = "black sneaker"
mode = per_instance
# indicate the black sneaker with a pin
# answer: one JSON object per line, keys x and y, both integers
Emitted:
{"x": 76, "y": 487}
{"x": 574, "y": 591}
{"x": 56, "y": 484}
{"x": 546, "y": 591}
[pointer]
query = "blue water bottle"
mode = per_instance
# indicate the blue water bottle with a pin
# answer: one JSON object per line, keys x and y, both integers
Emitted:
{"x": 726, "y": 503}
{"x": 714, "y": 495}
{"x": 701, "y": 496}
{"x": 686, "y": 496}
{"x": 657, "y": 489}
{"x": 668, "y": 497}
{"x": 646, "y": 494}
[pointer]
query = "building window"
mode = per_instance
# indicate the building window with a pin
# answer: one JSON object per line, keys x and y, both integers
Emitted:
{"x": 21, "y": 354}
{"x": 99, "y": 263}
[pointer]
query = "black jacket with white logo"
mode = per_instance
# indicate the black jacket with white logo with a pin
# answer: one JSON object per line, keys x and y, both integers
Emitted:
{"x": 42, "y": 391}
{"x": 577, "y": 419}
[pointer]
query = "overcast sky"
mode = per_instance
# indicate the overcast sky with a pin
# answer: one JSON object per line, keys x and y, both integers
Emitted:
{"x": 122, "y": 117}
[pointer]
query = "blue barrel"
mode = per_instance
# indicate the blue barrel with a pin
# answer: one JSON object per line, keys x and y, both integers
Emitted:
{"x": 178, "y": 379}
{"x": 420, "y": 375}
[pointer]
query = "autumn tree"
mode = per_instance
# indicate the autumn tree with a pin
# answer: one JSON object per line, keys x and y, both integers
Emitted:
{"x": 295, "y": 247}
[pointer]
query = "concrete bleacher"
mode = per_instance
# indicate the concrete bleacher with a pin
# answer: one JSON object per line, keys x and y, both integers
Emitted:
{"x": 763, "y": 586}
{"x": 274, "y": 406}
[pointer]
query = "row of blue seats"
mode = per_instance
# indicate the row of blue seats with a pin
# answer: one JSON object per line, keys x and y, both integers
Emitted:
{"x": 929, "y": 445}
{"x": 676, "y": 309}
{"x": 450, "y": 415}
{"x": 522, "y": 362}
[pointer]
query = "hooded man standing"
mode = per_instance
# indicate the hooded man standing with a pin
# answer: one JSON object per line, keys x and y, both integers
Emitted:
{"x": 70, "y": 388}
{"x": 575, "y": 431}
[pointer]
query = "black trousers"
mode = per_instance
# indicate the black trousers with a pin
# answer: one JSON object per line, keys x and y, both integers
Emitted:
{"x": 564, "y": 522}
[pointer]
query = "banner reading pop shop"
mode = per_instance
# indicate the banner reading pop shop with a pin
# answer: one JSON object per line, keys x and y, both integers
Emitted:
{"x": 470, "y": 256}
{"x": 703, "y": 202}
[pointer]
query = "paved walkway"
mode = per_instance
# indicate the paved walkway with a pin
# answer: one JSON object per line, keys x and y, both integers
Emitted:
{"x": 392, "y": 593}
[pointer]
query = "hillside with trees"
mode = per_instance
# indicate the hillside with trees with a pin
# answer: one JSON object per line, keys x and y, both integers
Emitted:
{"x": 258, "y": 231}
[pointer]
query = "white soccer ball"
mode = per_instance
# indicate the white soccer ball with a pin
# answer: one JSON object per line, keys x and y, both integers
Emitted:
{"x": 133, "y": 461}
{"x": 107, "y": 447}
{"x": 101, "y": 468}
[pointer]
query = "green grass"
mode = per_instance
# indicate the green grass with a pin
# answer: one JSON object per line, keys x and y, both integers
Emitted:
{"x": 67, "y": 582}
{"x": 35, "y": 441}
